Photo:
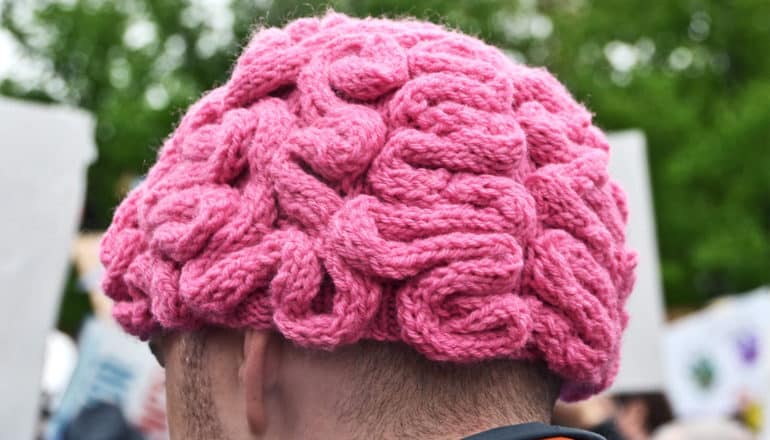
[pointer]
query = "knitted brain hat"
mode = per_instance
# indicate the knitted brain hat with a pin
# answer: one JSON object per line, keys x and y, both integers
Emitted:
{"x": 388, "y": 180}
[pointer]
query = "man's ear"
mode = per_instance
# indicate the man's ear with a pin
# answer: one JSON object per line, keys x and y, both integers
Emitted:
{"x": 256, "y": 377}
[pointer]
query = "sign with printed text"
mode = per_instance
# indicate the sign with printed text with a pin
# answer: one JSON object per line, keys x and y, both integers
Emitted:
{"x": 116, "y": 368}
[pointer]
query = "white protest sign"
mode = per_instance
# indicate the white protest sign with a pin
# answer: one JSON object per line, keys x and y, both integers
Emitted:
{"x": 641, "y": 366}
{"x": 718, "y": 360}
{"x": 44, "y": 153}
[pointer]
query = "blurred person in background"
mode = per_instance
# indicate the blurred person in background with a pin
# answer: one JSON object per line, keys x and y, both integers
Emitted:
{"x": 376, "y": 229}
{"x": 641, "y": 414}
{"x": 628, "y": 416}
{"x": 100, "y": 421}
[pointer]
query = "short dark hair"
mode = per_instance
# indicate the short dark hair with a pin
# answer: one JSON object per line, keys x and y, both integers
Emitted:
{"x": 394, "y": 382}
{"x": 198, "y": 406}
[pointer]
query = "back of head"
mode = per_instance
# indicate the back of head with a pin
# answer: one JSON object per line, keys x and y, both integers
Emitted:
{"x": 386, "y": 388}
{"x": 391, "y": 192}
{"x": 385, "y": 384}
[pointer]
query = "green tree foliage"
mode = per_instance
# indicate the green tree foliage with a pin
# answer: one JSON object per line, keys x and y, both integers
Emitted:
{"x": 693, "y": 75}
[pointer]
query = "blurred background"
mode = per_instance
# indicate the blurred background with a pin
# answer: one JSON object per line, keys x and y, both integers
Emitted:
{"x": 691, "y": 78}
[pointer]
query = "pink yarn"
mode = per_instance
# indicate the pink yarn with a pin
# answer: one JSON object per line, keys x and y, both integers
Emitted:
{"x": 389, "y": 180}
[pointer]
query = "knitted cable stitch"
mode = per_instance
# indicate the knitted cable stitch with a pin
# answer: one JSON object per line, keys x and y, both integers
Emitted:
{"x": 390, "y": 180}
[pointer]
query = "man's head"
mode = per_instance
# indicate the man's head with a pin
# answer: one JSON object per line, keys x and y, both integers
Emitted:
{"x": 386, "y": 215}
{"x": 227, "y": 384}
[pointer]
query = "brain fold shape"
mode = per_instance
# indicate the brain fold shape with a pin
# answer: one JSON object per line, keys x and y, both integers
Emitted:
{"x": 391, "y": 180}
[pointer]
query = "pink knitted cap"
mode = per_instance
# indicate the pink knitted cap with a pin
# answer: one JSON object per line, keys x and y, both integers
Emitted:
{"x": 388, "y": 180}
